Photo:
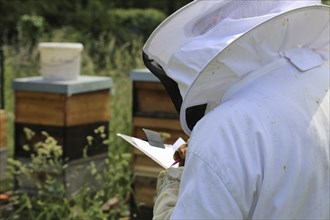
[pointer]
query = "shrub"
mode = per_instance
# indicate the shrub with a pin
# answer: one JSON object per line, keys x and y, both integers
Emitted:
{"x": 30, "y": 28}
{"x": 127, "y": 25}
{"x": 105, "y": 198}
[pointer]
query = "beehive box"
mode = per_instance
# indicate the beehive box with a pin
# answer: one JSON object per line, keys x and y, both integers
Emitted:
{"x": 3, "y": 144}
{"x": 3, "y": 129}
{"x": 69, "y": 111}
{"x": 154, "y": 110}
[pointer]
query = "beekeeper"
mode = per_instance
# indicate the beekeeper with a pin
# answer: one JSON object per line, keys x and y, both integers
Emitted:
{"x": 250, "y": 80}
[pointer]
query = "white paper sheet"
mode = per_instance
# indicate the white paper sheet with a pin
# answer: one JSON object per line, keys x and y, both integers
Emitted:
{"x": 163, "y": 156}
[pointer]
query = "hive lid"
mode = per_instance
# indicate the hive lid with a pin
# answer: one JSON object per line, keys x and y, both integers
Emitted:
{"x": 68, "y": 87}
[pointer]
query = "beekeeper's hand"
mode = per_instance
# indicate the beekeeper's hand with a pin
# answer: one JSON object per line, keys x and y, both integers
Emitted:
{"x": 167, "y": 192}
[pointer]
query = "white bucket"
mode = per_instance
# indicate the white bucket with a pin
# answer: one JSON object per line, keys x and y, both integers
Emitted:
{"x": 60, "y": 61}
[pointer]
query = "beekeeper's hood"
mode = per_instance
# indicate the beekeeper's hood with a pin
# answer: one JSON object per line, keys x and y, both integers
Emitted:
{"x": 206, "y": 47}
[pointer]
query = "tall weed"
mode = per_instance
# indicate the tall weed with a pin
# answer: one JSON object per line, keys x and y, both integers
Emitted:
{"x": 103, "y": 196}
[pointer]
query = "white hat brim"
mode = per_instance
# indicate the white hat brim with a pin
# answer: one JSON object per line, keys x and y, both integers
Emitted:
{"x": 306, "y": 27}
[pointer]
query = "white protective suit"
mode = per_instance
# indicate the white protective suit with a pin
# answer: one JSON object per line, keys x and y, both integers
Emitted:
{"x": 260, "y": 155}
{"x": 261, "y": 151}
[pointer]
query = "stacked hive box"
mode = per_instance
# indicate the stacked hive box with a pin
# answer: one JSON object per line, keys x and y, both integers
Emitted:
{"x": 3, "y": 144}
{"x": 154, "y": 110}
{"x": 68, "y": 111}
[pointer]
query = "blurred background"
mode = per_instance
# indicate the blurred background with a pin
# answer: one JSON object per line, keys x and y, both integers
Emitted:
{"x": 113, "y": 33}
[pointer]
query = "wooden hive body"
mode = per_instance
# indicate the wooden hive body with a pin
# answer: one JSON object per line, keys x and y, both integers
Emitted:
{"x": 154, "y": 110}
{"x": 69, "y": 111}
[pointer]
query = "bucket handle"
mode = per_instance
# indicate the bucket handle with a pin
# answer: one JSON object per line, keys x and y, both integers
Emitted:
{"x": 63, "y": 63}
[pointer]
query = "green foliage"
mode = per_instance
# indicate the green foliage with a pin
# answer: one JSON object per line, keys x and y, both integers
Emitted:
{"x": 326, "y": 2}
{"x": 91, "y": 19}
{"x": 20, "y": 61}
{"x": 30, "y": 28}
{"x": 129, "y": 24}
{"x": 105, "y": 197}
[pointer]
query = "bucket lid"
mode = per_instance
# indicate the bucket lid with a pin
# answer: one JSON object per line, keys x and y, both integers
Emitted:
{"x": 61, "y": 45}
{"x": 186, "y": 43}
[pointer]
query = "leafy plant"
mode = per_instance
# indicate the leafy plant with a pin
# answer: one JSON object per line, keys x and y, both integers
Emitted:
{"x": 41, "y": 189}
{"x": 30, "y": 28}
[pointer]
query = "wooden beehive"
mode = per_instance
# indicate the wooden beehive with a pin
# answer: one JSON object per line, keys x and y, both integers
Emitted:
{"x": 3, "y": 129}
{"x": 151, "y": 99}
{"x": 154, "y": 110}
{"x": 3, "y": 144}
{"x": 69, "y": 111}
